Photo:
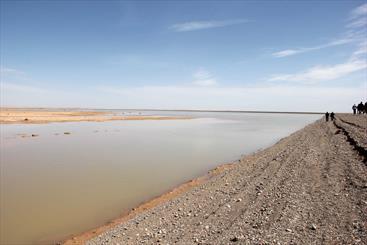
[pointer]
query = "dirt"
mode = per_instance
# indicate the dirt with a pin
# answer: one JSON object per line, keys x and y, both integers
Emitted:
{"x": 309, "y": 188}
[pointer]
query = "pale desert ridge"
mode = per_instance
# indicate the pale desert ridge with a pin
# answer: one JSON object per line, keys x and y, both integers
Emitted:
{"x": 34, "y": 116}
{"x": 309, "y": 188}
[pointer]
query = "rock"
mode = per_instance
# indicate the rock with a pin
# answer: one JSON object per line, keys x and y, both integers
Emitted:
{"x": 67, "y": 133}
{"x": 239, "y": 200}
{"x": 288, "y": 230}
{"x": 207, "y": 227}
{"x": 34, "y": 135}
{"x": 313, "y": 227}
{"x": 234, "y": 239}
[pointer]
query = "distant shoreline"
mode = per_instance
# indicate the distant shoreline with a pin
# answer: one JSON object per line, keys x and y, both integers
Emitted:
{"x": 165, "y": 110}
{"x": 41, "y": 116}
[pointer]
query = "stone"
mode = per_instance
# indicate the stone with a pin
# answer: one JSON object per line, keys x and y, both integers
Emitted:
{"x": 234, "y": 239}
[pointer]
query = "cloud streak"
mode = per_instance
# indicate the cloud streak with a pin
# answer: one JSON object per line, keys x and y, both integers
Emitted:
{"x": 201, "y": 25}
{"x": 356, "y": 62}
{"x": 5, "y": 71}
{"x": 357, "y": 19}
{"x": 204, "y": 78}
{"x": 360, "y": 10}
{"x": 20, "y": 88}
{"x": 290, "y": 52}
{"x": 323, "y": 73}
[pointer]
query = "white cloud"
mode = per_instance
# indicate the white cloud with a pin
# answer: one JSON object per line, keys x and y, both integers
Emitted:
{"x": 361, "y": 22}
{"x": 203, "y": 77}
{"x": 360, "y": 10}
{"x": 323, "y": 73}
{"x": 358, "y": 19}
{"x": 356, "y": 62}
{"x": 361, "y": 52}
{"x": 200, "y": 25}
{"x": 290, "y": 52}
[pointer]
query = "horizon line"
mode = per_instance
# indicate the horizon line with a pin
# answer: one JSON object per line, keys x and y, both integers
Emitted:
{"x": 185, "y": 110}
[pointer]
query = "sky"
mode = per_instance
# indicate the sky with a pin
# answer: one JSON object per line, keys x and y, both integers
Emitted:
{"x": 215, "y": 55}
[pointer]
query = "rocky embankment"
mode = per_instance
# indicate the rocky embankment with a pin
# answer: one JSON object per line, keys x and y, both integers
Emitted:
{"x": 309, "y": 188}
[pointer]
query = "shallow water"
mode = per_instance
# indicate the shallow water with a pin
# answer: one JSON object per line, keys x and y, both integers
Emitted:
{"x": 55, "y": 185}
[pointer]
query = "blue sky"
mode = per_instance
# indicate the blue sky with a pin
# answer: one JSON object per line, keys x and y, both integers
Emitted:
{"x": 237, "y": 55}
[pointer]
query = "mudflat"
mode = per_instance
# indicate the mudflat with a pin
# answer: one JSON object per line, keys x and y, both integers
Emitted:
{"x": 308, "y": 188}
{"x": 26, "y": 116}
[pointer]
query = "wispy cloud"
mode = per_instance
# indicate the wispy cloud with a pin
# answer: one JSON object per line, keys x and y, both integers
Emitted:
{"x": 15, "y": 87}
{"x": 360, "y": 22}
{"x": 200, "y": 25}
{"x": 290, "y": 52}
{"x": 362, "y": 50}
{"x": 5, "y": 71}
{"x": 13, "y": 75}
{"x": 357, "y": 19}
{"x": 323, "y": 73}
{"x": 203, "y": 77}
{"x": 360, "y": 10}
{"x": 356, "y": 62}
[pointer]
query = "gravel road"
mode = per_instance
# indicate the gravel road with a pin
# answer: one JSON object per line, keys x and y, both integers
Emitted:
{"x": 309, "y": 188}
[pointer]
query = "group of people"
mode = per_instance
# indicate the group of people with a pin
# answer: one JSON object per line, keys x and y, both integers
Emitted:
{"x": 357, "y": 109}
{"x": 360, "y": 108}
{"x": 331, "y": 115}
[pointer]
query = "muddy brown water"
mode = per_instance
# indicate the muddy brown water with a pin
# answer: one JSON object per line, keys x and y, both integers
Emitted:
{"x": 54, "y": 185}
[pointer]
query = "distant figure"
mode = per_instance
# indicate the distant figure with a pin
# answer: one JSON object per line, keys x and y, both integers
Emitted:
{"x": 354, "y": 107}
{"x": 360, "y": 108}
{"x": 327, "y": 116}
{"x": 332, "y": 116}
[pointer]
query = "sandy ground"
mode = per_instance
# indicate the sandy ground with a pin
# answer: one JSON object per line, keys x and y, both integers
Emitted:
{"x": 25, "y": 116}
{"x": 309, "y": 188}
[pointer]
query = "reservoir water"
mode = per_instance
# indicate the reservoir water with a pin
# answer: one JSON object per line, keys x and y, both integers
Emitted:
{"x": 54, "y": 185}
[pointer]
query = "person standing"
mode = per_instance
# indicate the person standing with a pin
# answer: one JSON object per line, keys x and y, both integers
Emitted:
{"x": 332, "y": 116}
{"x": 354, "y": 107}
{"x": 360, "y": 108}
{"x": 327, "y": 116}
